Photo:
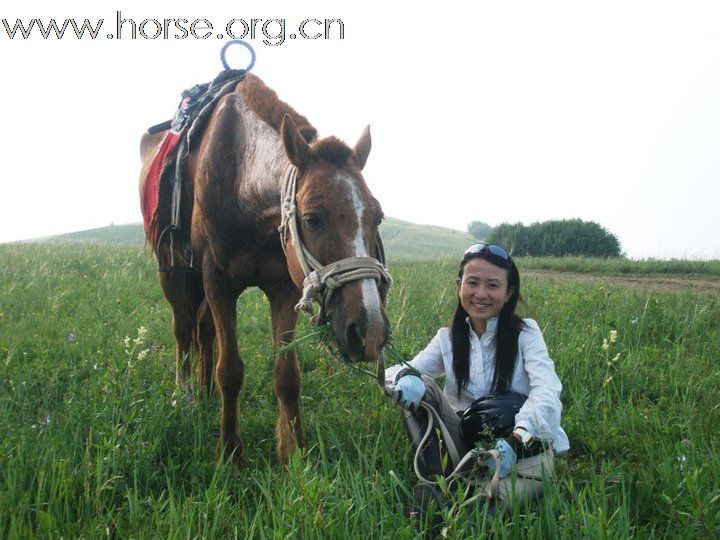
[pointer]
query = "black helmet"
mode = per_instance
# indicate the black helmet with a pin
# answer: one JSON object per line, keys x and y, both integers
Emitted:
{"x": 495, "y": 410}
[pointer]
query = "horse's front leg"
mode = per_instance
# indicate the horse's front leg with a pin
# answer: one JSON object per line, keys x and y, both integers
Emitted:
{"x": 222, "y": 298}
{"x": 286, "y": 373}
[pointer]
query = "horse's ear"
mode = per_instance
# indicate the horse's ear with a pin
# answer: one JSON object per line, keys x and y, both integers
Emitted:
{"x": 297, "y": 149}
{"x": 362, "y": 148}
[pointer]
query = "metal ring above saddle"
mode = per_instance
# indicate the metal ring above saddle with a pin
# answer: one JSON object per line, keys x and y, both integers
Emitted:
{"x": 237, "y": 42}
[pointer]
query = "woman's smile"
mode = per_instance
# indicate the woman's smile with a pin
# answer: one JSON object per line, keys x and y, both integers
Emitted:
{"x": 483, "y": 292}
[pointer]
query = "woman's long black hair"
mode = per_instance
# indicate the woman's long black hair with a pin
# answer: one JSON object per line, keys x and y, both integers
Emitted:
{"x": 508, "y": 328}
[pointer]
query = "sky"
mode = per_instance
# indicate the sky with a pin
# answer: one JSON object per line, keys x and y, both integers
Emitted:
{"x": 498, "y": 112}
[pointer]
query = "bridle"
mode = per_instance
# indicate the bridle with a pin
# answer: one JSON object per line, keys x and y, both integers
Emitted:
{"x": 321, "y": 281}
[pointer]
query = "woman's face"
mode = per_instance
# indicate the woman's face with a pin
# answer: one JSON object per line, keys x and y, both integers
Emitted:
{"x": 483, "y": 291}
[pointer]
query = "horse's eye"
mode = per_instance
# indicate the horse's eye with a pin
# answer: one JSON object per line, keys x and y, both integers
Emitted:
{"x": 314, "y": 221}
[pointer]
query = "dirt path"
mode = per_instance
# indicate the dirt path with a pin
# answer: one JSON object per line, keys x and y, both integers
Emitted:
{"x": 663, "y": 283}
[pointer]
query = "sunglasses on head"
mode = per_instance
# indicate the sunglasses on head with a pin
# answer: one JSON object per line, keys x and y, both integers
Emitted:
{"x": 482, "y": 247}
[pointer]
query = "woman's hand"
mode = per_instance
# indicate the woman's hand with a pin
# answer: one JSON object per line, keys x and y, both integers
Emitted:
{"x": 508, "y": 458}
{"x": 408, "y": 392}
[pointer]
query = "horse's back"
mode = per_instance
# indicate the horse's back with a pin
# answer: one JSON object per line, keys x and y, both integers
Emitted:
{"x": 231, "y": 186}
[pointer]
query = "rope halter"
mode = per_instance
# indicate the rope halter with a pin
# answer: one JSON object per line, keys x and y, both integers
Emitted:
{"x": 321, "y": 281}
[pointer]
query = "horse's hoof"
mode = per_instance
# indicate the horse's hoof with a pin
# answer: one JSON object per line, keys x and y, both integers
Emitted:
{"x": 295, "y": 453}
{"x": 185, "y": 392}
{"x": 206, "y": 393}
{"x": 231, "y": 452}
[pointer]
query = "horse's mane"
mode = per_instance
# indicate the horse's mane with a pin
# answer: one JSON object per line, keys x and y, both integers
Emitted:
{"x": 270, "y": 108}
{"x": 333, "y": 150}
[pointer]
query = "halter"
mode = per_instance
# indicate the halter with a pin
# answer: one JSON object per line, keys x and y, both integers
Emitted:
{"x": 324, "y": 280}
{"x": 321, "y": 281}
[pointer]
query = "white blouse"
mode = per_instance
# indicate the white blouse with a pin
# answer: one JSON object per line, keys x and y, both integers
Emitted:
{"x": 534, "y": 376}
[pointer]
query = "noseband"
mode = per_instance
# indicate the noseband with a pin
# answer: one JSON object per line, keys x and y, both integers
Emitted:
{"x": 321, "y": 281}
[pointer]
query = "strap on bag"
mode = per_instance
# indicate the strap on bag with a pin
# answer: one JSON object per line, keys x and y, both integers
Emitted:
{"x": 491, "y": 488}
{"x": 434, "y": 417}
{"x": 462, "y": 466}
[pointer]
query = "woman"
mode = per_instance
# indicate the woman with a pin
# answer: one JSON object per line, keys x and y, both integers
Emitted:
{"x": 487, "y": 349}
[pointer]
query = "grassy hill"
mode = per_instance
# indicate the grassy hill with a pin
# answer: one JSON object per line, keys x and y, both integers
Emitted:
{"x": 130, "y": 234}
{"x": 403, "y": 240}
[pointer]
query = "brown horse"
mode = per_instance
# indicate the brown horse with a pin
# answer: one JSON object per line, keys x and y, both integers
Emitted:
{"x": 232, "y": 201}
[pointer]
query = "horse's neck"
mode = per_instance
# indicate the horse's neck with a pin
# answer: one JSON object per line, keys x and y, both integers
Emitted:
{"x": 264, "y": 159}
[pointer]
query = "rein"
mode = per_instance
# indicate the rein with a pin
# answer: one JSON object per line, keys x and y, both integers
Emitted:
{"x": 321, "y": 281}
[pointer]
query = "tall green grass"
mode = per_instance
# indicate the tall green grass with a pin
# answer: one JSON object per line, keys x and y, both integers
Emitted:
{"x": 96, "y": 442}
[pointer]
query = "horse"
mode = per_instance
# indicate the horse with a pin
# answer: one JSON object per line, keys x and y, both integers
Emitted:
{"x": 244, "y": 229}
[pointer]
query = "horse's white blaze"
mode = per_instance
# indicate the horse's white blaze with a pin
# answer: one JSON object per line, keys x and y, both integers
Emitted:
{"x": 370, "y": 294}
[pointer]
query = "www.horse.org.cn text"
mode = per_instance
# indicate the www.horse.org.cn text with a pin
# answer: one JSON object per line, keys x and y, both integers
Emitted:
{"x": 271, "y": 32}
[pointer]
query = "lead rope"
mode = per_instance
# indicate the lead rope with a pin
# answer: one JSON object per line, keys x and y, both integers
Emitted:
{"x": 470, "y": 461}
{"x": 324, "y": 280}
{"x": 474, "y": 458}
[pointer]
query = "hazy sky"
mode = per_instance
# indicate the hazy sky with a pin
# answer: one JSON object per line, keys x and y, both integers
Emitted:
{"x": 496, "y": 111}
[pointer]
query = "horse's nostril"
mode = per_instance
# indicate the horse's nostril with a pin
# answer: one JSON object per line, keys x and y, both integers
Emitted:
{"x": 354, "y": 339}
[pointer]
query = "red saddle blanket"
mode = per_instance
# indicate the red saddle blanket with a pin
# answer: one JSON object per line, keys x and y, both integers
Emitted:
{"x": 194, "y": 107}
{"x": 151, "y": 191}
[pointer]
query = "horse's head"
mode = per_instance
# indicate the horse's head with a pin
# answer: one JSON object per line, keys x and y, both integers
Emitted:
{"x": 337, "y": 220}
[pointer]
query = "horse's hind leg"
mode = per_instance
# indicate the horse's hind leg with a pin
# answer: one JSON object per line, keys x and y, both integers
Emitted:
{"x": 205, "y": 341}
{"x": 176, "y": 289}
{"x": 222, "y": 298}
{"x": 286, "y": 373}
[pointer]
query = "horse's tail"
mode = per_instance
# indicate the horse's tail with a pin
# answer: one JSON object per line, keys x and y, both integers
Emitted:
{"x": 202, "y": 317}
{"x": 186, "y": 292}
{"x": 202, "y": 343}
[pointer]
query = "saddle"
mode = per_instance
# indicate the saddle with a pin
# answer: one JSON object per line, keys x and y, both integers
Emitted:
{"x": 161, "y": 200}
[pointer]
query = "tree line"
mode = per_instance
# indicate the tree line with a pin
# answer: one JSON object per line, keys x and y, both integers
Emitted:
{"x": 555, "y": 238}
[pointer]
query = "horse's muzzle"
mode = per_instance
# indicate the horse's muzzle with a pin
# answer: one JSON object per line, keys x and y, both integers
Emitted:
{"x": 364, "y": 346}
{"x": 362, "y": 337}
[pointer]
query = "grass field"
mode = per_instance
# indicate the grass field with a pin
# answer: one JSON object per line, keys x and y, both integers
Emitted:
{"x": 97, "y": 443}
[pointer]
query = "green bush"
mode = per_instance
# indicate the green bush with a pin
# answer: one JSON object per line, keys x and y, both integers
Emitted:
{"x": 479, "y": 229}
{"x": 557, "y": 238}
